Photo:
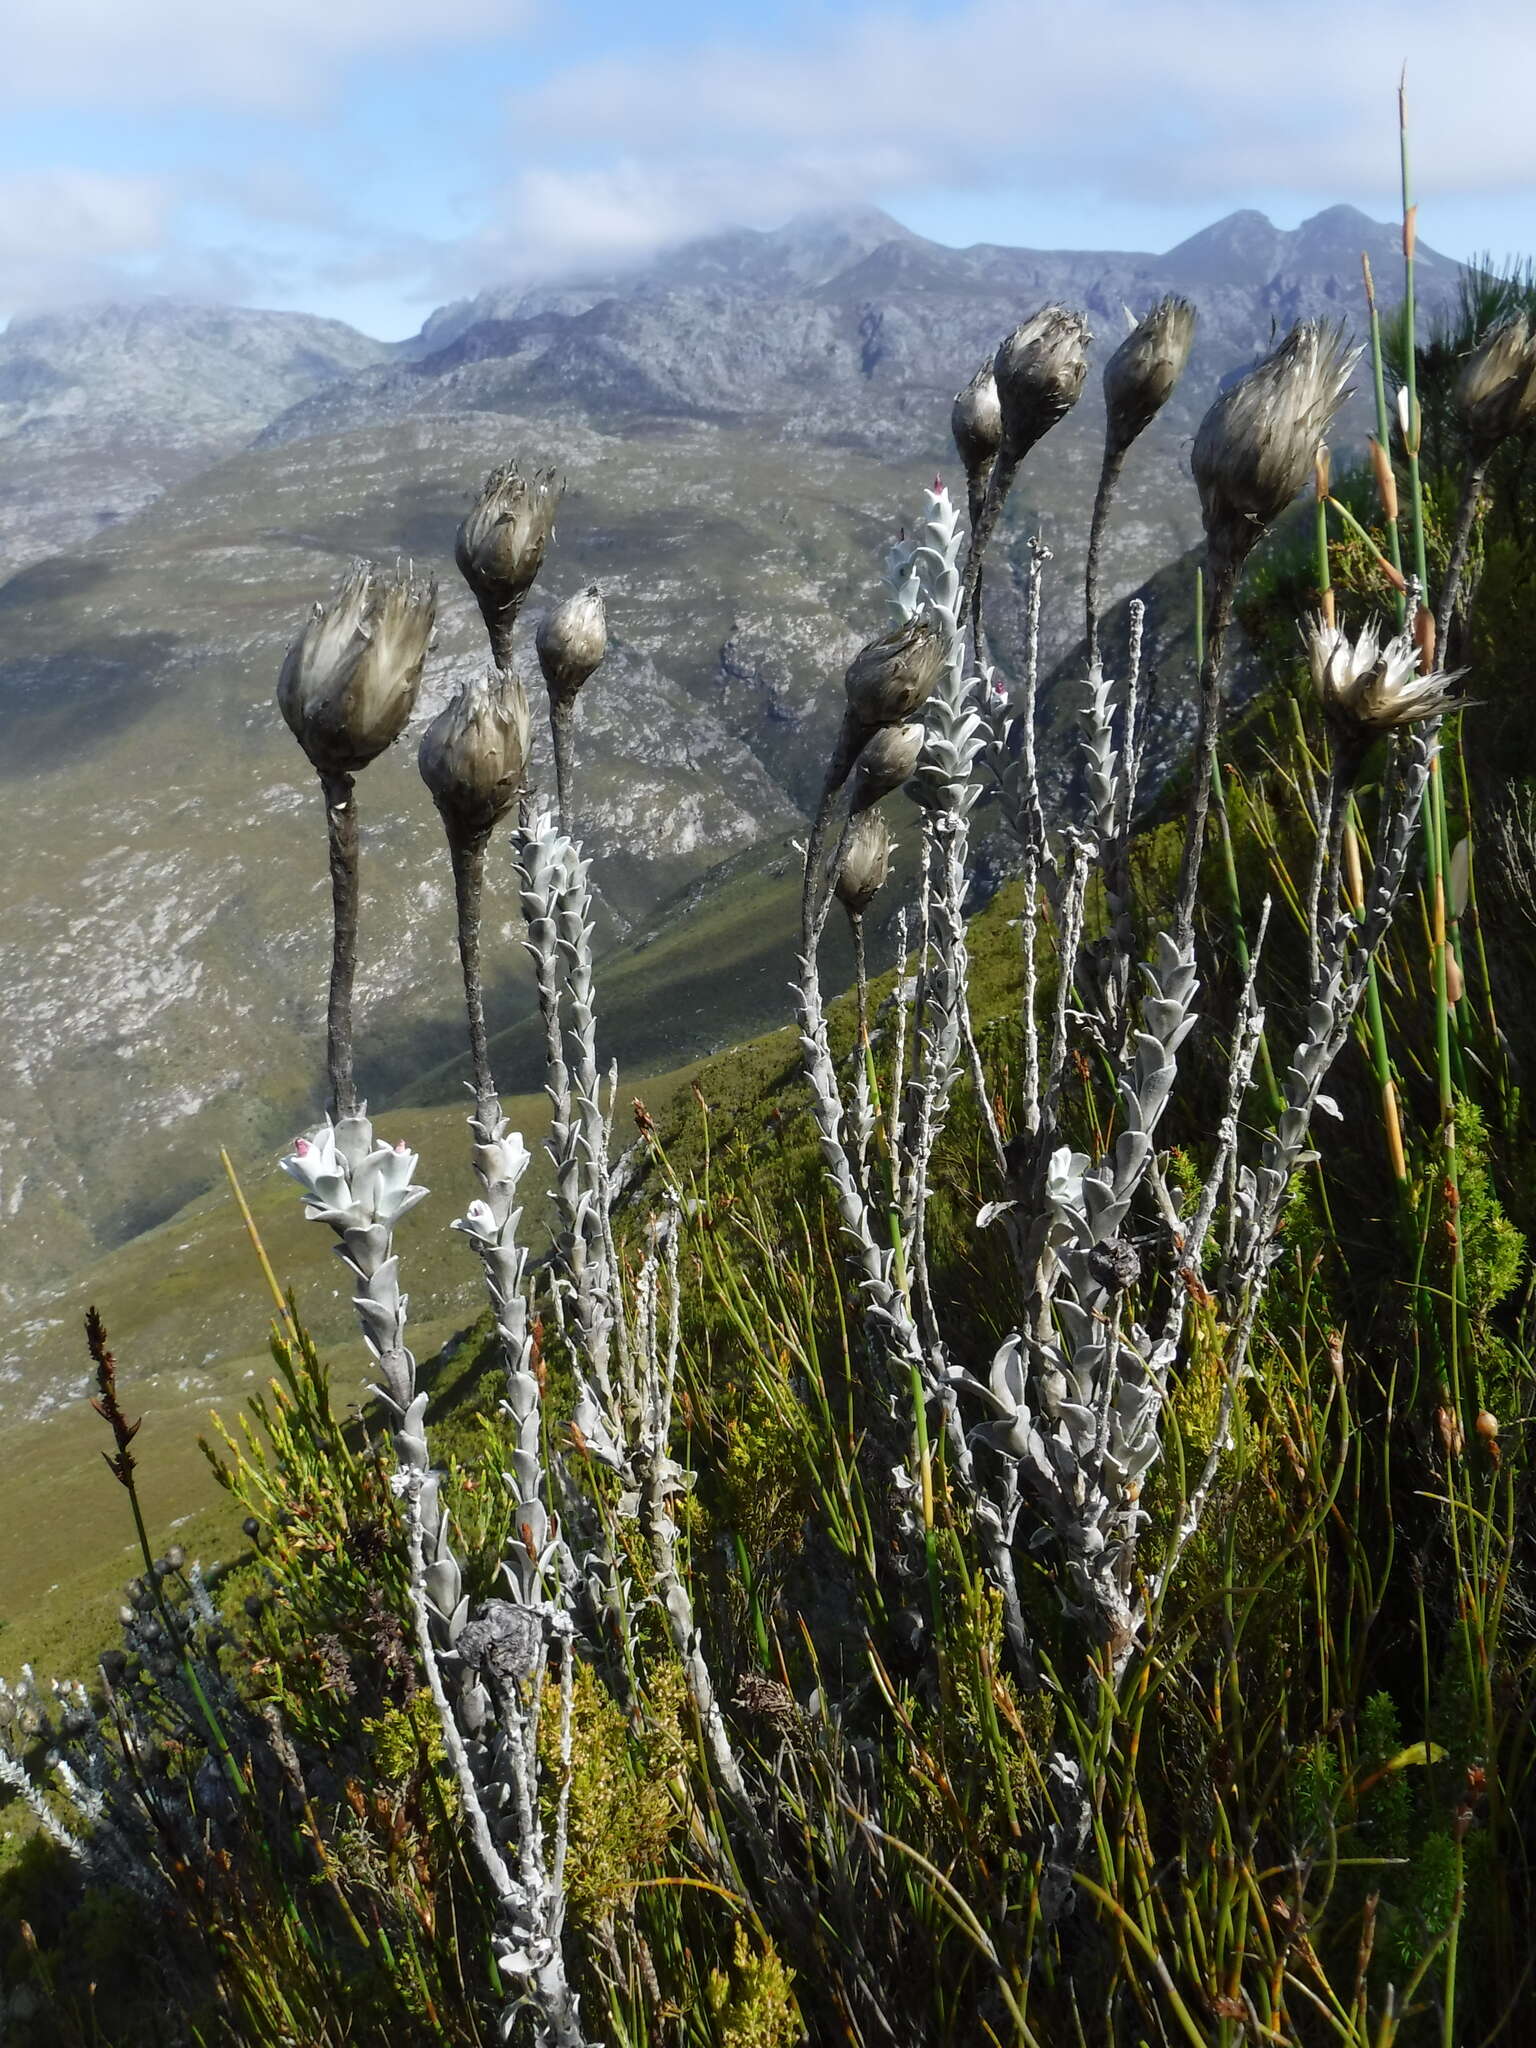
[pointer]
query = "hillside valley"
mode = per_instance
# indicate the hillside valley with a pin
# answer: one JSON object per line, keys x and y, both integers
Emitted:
{"x": 743, "y": 426}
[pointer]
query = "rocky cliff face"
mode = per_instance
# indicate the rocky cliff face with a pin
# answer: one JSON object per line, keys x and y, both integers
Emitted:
{"x": 743, "y": 425}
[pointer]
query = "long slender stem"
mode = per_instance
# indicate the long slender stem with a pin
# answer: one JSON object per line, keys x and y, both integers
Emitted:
{"x": 861, "y": 980}
{"x": 1223, "y": 582}
{"x": 1004, "y": 469}
{"x": 976, "y": 482}
{"x": 1461, "y": 541}
{"x": 812, "y": 878}
{"x": 341, "y": 828}
{"x": 1411, "y": 353}
{"x": 562, "y": 719}
{"x": 1323, "y": 855}
{"x": 1375, "y": 1020}
{"x": 1109, "y": 476}
{"x": 468, "y": 857}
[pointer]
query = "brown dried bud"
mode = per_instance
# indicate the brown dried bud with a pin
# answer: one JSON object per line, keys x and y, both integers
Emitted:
{"x": 1386, "y": 480}
{"x": 885, "y": 762}
{"x": 976, "y": 421}
{"x": 1449, "y": 1424}
{"x": 571, "y": 640}
{"x": 1039, "y": 371}
{"x": 1139, "y": 377}
{"x": 1488, "y": 1433}
{"x": 894, "y": 676}
{"x": 1496, "y": 391}
{"x": 866, "y": 864}
{"x": 1257, "y": 445}
{"x": 474, "y": 753}
{"x": 349, "y": 681}
{"x": 501, "y": 544}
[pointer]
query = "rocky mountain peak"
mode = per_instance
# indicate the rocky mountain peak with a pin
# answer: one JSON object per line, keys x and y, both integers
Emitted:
{"x": 1241, "y": 248}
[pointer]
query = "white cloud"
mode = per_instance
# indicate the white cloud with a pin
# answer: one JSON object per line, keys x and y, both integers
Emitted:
{"x": 551, "y": 220}
{"x": 67, "y": 234}
{"x": 1187, "y": 99}
{"x": 266, "y": 55}
{"x": 1182, "y": 109}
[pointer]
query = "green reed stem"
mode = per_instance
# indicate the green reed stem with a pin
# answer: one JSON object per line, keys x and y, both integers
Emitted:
{"x": 1272, "y": 1093}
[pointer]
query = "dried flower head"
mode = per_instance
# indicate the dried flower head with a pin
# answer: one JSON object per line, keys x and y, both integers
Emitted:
{"x": 474, "y": 754}
{"x": 976, "y": 420}
{"x": 865, "y": 865}
{"x": 894, "y": 676}
{"x": 572, "y": 639}
{"x": 1257, "y": 446}
{"x": 501, "y": 544}
{"x": 1139, "y": 377}
{"x": 1496, "y": 391}
{"x": 1039, "y": 370}
{"x": 1366, "y": 688}
{"x": 349, "y": 681}
{"x": 885, "y": 762}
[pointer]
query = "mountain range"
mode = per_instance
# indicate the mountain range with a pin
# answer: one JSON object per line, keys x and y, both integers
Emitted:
{"x": 742, "y": 423}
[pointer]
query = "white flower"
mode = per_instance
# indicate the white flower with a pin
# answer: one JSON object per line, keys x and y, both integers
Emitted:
{"x": 1366, "y": 688}
{"x": 478, "y": 1220}
{"x": 377, "y": 1190}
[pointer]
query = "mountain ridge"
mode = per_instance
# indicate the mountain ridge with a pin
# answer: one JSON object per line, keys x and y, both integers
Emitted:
{"x": 738, "y": 455}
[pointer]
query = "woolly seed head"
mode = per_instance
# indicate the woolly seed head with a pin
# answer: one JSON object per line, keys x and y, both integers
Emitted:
{"x": 571, "y": 640}
{"x": 349, "y": 681}
{"x": 885, "y": 762}
{"x": 474, "y": 753}
{"x": 1257, "y": 446}
{"x": 894, "y": 676}
{"x": 1039, "y": 371}
{"x": 976, "y": 420}
{"x": 866, "y": 864}
{"x": 501, "y": 543}
{"x": 1496, "y": 391}
{"x": 1139, "y": 377}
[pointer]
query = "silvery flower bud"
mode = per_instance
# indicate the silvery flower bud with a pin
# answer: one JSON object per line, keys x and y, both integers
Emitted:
{"x": 501, "y": 544}
{"x": 572, "y": 640}
{"x": 894, "y": 676}
{"x": 976, "y": 420}
{"x": 1257, "y": 446}
{"x": 866, "y": 864}
{"x": 349, "y": 681}
{"x": 885, "y": 762}
{"x": 1496, "y": 391}
{"x": 1139, "y": 377}
{"x": 474, "y": 753}
{"x": 1039, "y": 371}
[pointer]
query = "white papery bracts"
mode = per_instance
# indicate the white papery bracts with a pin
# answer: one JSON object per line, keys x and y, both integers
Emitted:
{"x": 1077, "y": 1407}
{"x": 362, "y": 1189}
{"x": 1098, "y": 809}
{"x": 557, "y": 906}
{"x": 928, "y": 579}
{"x": 491, "y": 1225}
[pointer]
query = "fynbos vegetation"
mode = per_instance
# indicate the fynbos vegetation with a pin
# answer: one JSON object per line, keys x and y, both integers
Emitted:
{"x": 1001, "y": 1525}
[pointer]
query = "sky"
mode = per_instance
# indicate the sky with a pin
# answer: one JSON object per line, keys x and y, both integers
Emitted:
{"x": 372, "y": 159}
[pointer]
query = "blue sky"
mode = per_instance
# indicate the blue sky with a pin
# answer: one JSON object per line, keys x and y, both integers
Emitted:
{"x": 372, "y": 158}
